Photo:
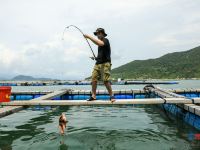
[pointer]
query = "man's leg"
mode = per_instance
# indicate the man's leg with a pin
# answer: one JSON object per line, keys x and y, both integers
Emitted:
{"x": 95, "y": 77}
{"x": 94, "y": 88}
{"x": 106, "y": 78}
{"x": 109, "y": 88}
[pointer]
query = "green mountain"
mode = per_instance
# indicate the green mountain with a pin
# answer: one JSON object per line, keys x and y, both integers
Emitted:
{"x": 28, "y": 78}
{"x": 175, "y": 65}
{"x": 23, "y": 77}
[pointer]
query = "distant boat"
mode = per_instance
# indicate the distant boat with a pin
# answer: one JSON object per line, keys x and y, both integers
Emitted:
{"x": 150, "y": 82}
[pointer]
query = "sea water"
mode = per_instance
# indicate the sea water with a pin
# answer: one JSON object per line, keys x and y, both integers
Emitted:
{"x": 128, "y": 127}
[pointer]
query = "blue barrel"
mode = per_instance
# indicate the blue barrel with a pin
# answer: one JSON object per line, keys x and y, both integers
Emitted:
{"x": 124, "y": 96}
{"x": 56, "y": 98}
{"x": 13, "y": 84}
{"x": 38, "y": 95}
{"x": 87, "y": 96}
{"x": 187, "y": 95}
{"x": 103, "y": 97}
{"x": 139, "y": 96}
{"x": 120, "y": 96}
{"x": 192, "y": 95}
{"x": 70, "y": 97}
{"x": 11, "y": 97}
{"x": 67, "y": 97}
{"x": 183, "y": 94}
{"x": 80, "y": 97}
{"x": 24, "y": 97}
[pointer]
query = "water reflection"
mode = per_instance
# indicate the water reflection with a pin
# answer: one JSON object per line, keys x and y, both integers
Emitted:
{"x": 118, "y": 127}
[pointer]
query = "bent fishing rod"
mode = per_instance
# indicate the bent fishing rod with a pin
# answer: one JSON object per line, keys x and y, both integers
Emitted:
{"x": 83, "y": 36}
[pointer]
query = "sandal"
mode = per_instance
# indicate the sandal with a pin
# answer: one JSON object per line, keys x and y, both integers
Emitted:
{"x": 112, "y": 98}
{"x": 91, "y": 99}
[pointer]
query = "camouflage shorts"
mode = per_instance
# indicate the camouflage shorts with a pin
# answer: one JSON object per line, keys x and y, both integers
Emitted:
{"x": 101, "y": 72}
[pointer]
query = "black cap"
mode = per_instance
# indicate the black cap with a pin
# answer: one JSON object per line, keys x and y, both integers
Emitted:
{"x": 100, "y": 30}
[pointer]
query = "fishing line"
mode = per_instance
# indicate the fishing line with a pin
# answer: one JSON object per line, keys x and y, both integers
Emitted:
{"x": 84, "y": 37}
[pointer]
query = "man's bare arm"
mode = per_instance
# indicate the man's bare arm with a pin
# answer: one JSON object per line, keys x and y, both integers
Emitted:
{"x": 94, "y": 40}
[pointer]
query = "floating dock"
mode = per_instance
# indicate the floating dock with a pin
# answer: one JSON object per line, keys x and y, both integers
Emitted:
{"x": 4, "y": 111}
{"x": 102, "y": 102}
{"x": 179, "y": 102}
{"x": 60, "y": 82}
{"x": 150, "y": 82}
{"x": 190, "y": 113}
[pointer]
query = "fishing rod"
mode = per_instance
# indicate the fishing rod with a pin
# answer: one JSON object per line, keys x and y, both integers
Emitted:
{"x": 94, "y": 57}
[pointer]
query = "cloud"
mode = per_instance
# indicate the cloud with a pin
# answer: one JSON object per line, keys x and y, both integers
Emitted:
{"x": 187, "y": 36}
{"x": 6, "y": 56}
{"x": 31, "y": 33}
{"x": 45, "y": 59}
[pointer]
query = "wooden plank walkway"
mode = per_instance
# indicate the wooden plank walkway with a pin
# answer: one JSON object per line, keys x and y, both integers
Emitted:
{"x": 51, "y": 95}
{"x": 101, "y": 102}
{"x": 7, "y": 110}
{"x": 193, "y": 108}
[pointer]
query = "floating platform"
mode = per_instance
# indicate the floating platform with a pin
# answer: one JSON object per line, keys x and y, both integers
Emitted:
{"x": 101, "y": 94}
{"x": 151, "y": 82}
{"x": 179, "y": 102}
{"x": 4, "y": 111}
{"x": 102, "y": 102}
{"x": 190, "y": 113}
{"x": 58, "y": 82}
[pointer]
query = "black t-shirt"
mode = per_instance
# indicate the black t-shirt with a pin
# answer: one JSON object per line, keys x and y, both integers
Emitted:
{"x": 104, "y": 52}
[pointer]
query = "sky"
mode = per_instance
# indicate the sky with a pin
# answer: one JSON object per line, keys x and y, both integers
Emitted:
{"x": 31, "y": 33}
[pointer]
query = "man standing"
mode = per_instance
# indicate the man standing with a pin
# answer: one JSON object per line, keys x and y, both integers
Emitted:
{"x": 103, "y": 64}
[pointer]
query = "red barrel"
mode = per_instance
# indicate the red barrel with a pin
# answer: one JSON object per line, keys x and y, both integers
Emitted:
{"x": 5, "y": 92}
